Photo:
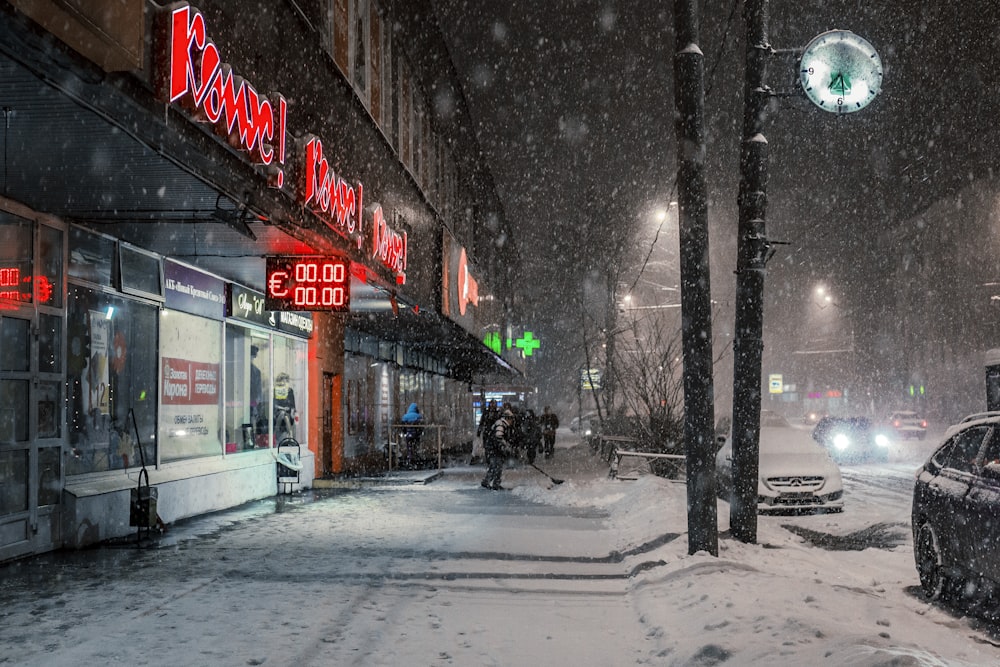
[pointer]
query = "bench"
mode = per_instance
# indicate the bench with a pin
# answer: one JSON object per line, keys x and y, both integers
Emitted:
{"x": 619, "y": 454}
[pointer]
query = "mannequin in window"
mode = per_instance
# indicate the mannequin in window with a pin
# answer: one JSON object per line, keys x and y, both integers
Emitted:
{"x": 284, "y": 407}
{"x": 256, "y": 393}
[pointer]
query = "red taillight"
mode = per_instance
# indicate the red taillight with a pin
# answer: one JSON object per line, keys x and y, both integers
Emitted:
{"x": 923, "y": 423}
{"x": 897, "y": 423}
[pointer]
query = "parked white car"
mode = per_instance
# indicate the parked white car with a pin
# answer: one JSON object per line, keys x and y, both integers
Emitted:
{"x": 795, "y": 473}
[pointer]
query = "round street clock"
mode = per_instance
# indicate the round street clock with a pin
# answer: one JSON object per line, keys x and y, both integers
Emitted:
{"x": 840, "y": 71}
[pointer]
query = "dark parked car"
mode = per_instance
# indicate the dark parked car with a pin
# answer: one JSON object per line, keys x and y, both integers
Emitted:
{"x": 956, "y": 512}
{"x": 852, "y": 439}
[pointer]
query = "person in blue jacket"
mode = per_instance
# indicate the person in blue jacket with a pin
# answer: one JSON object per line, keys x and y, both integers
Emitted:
{"x": 413, "y": 420}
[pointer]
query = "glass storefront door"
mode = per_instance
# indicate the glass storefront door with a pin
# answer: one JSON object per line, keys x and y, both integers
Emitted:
{"x": 31, "y": 385}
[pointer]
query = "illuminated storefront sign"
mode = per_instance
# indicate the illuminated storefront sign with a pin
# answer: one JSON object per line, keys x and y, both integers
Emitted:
{"x": 193, "y": 291}
{"x": 388, "y": 245}
{"x": 468, "y": 288}
{"x": 462, "y": 299}
{"x": 247, "y": 305}
{"x": 191, "y": 72}
{"x": 308, "y": 283}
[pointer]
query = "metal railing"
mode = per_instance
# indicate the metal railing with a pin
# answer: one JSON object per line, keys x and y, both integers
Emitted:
{"x": 397, "y": 443}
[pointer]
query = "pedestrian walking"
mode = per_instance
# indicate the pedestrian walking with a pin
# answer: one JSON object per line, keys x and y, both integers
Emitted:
{"x": 412, "y": 433}
{"x": 497, "y": 447}
{"x": 531, "y": 431}
{"x": 550, "y": 422}
{"x": 485, "y": 430}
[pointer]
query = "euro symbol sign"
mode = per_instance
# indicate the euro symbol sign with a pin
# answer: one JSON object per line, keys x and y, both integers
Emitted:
{"x": 276, "y": 284}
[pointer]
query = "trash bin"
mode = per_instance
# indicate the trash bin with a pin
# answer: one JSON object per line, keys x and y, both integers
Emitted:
{"x": 142, "y": 509}
{"x": 288, "y": 455}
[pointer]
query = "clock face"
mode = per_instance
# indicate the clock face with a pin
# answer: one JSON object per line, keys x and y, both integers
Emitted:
{"x": 840, "y": 72}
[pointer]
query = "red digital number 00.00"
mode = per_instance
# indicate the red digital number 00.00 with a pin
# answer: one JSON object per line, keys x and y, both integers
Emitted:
{"x": 325, "y": 297}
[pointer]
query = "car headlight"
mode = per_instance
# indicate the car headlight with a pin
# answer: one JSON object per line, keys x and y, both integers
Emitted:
{"x": 587, "y": 432}
{"x": 841, "y": 442}
{"x": 881, "y": 440}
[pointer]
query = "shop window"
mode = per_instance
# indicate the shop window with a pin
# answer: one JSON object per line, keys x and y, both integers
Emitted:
{"x": 349, "y": 403}
{"x": 49, "y": 343}
{"x": 15, "y": 350}
{"x": 49, "y": 476}
{"x": 92, "y": 257}
{"x": 378, "y": 65}
{"x": 248, "y": 371}
{"x": 289, "y": 388}
{"x": 14, "y": 473}
{"x": 111, "y": 370}
{"x": 13, "y": 411}
{"x": 405, "y": 115}
{"x": 47, "y": 406}
{"x": 141, "y": 273}
{"x": 360, "y": 53}
{"x": 339, "y": 33}
{"x": 190, "y": 420}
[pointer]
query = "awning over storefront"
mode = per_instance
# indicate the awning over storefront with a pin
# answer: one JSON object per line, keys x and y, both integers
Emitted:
{"x": 466, "y": 358}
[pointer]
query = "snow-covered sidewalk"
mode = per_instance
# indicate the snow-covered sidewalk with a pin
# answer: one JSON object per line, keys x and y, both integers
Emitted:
{"x": 589, "y": 572}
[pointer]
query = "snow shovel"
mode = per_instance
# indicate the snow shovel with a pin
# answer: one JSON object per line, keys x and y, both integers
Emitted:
{"x": 554, "y": 480}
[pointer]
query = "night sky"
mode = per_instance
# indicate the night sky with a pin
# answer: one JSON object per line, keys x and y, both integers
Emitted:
{"x": 573, "y": 102}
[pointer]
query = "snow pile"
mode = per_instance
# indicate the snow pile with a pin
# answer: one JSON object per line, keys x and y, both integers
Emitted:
{"x": 784, "y": 600}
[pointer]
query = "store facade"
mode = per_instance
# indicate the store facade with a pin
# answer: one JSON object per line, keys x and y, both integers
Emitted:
{"x": 145, "y": 185}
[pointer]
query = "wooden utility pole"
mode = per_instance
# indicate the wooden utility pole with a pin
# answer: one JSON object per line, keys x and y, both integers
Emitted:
{"x": 752, "y": 248}
{"x": 696, "y": 297}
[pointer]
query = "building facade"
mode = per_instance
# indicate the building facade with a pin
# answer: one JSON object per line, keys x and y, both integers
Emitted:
{"x": 224, "y": 226}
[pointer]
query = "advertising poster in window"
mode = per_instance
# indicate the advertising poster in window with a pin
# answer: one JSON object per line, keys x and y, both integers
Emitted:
{"x": 97, "y": 378}
{"x": 190, "y": 386}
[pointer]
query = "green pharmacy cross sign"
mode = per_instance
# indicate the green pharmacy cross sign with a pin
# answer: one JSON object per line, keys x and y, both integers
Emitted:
{"x": 528, "y": 343}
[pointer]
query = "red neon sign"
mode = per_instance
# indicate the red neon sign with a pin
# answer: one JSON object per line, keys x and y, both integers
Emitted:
{"x": 308, "y": 283}
{"x": 191, "y": 71}
{"x": 388, "y": 245}
{"x": 332, "y": 198}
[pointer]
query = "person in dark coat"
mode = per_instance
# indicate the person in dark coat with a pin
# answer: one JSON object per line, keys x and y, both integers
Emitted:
{"x": 412, "y": 433}
{"x": 531, "y": 432}
{"x": 497, "y": 447}
{"x": 516, "y": 436}
{"x": 485, "y": 429}
{"x": 549, "y": 425}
